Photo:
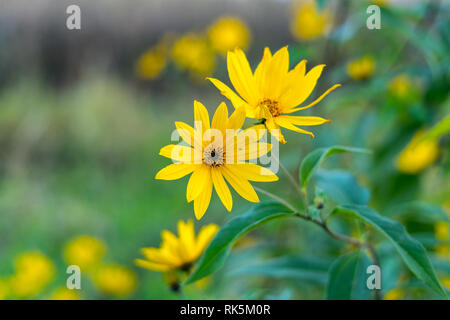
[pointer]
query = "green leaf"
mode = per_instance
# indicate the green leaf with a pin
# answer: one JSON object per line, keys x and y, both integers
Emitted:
{"x": 440, "y": 129}
{"x": 288, "y": 267}
{"x": 315, "y": 158}
{"x": 347, "y": 279}
{"x": 410, "y": 250}
{"x": 418, "y": 210}
{"x": 215, "y": 254}
{"x": 341, "y": 186}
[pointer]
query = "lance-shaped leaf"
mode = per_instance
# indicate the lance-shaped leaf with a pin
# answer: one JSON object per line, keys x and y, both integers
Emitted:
{"x": 411, "y": 251}
{"x": 215, "y": 254}
{"x": 347, "y": 277}
{"x": 315, "y": 158}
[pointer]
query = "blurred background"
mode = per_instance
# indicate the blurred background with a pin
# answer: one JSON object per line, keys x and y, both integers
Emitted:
{"x": 83, "y": 114}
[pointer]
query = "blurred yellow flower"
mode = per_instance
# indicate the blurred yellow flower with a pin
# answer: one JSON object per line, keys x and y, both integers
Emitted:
{"x": 33, "y": 271}
{"x": 178, "y": 253}
{"x": 211, "y": 162}
{"x": 361, "y": 69}
{"x": 308, "y": 22}
{"x": 394, "y": 294}
{"x": 228, "y": 33}
{"x": 4, "y": 289}
{"x": 65, "y": 294}
{"x": 418, "y": 154}
{"x": 401, "y": 87}
{"x": 446, "y": 283}
{"x": 84, "y": 251}
{"x": 193, "y": 53}
{"x": 443, "y": 251}
{"x": 441, "y": 230}
{"x": 272, "y": 91}
{"x": 151, "y": 63}
{"x": 115, "y": 280}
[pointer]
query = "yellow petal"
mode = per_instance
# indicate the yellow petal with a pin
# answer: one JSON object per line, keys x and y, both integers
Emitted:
{"x": 151, "y": 265}
{"x": 185, "y": 131}
{"x": 175, "y": 171}
{"x": 220, "y": 118}
{"x": 301, "y": 90}
{"x": 221, "y": 188}
{"x": 178, "y": 153}
{"x": 228, "y": 93}
{"x": 254, "y": 172}
{"x": 276, "y": 74}
{"x": 261, "y": 69}
{"x": 315, "y": 101}
{"x": 288, "y": 125}
{"x": 241, "y": 185}
{"x": 160, "y": 256}
{"x": 205, "y": 236}
{"x": 197, "y": 182}
{"x": 275, "y": 130}
{"x": 303, "y": 121}
{"x": 201, "y": 203}
{"x": 237, "y": 119}
{"x": 241, "y": 76}
{"x": 201, "y": 117}
{"x": 186, "y": 233}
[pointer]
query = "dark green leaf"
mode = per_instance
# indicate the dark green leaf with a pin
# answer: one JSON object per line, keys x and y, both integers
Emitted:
{"x": 418, "y": 210}
{"x": 342, "y": 187}
{"x": 411, "y": 251}
{"x": 315, "y": 158}
{"x": 215, "y": 254}
{"x": 347, "y": 279}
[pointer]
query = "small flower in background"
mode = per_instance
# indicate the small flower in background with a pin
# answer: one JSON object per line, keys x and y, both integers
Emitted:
{"x": 115, "y": 280}
{"x": 446, "y": 283}
{"x": 361, "y": 69}
{"x": 403, "y": 88}
{"x": 418, "y": 154}
{"x": 273, "y": 92}
{"x": 442, "y": 250}
{"x": 308, "y": 22}
{"x": 84, "y": 251}
{"x": 209, "y": 162}
{"x": 65, "y": 294}
{"x": 4, "y": 289}
{"x": 151, "y": 63}
{"x": 228, "y": 33}
{"x": 193, "y": 53}
{"x": 394, "y": 294}
{"x": 177, "y": 253}
{"x": 33, "y": 272}
{"x": 441, "y": 230}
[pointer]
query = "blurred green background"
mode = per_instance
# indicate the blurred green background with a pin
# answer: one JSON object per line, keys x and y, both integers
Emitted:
{"x": 81, "y": 125}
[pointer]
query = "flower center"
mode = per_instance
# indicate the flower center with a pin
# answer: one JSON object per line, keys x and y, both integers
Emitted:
{"x": 272, "y": 105}
{"x": 213, "y": 155}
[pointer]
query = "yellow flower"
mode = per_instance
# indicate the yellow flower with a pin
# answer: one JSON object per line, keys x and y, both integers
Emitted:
{"x": 84, "y": 251}
{"x": 193, "y": 53}
{"x": 228, "y": 33}
{"x": 418, "y": 154}
{"x": 443, "y": 251}
{"x": 4, "y": 289}
{"x": 446, "y": 283}
{"x": 33, "y": 271}
{"x": 151, "y": 64}
{"x": 65, "y": 294}
{"x": 441, "y": 230}
{"x": 361, "y": 69}
{"x": 401, "y": 86}
{"x": 220, "y": 151}
{"x": 309, "y": 23}
{"x": 272, "y": 91}
{"x": 178, "y": 253}
{"x": 395, "y": 294}
{"x": 115, "y": 280}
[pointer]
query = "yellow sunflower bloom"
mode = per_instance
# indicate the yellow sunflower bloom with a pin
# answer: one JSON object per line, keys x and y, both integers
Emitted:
{"x": 84, "y": 251}
{"x": 441, "y": 230}
{"x": 65, "y": 294}
{"x": 418, "y": 154}
{"x": 395, "y": 294}
{"x": 361, "y": 69}
{"x": 115, "y": 280}
{"x": 228, "y": 33}
{"x": 273, "y": 92}
{"x": 309, "y": 23}
{"x": 217, "y": 153}
{"x": 178, "y": 253}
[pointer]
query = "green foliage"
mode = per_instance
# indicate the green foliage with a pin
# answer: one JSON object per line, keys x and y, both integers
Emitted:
{"x": 215, "y": 254}
{"x": 347, "y": 277}
{"x": 411, "y": 251}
